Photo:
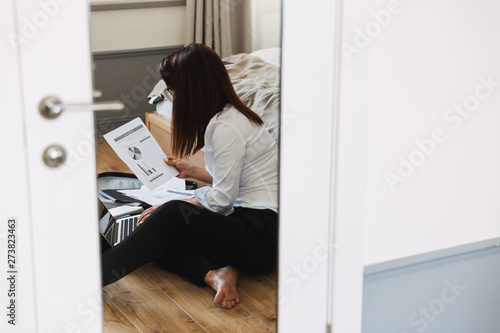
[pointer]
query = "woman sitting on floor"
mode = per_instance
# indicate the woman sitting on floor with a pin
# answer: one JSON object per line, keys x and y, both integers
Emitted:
{"x": 229, "y": 226}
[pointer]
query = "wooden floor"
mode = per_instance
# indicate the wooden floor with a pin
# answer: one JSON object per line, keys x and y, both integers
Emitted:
{"x": 153, "y": 300}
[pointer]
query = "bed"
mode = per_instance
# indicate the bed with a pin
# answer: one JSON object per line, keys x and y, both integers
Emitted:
{"x": 256, "y": 80}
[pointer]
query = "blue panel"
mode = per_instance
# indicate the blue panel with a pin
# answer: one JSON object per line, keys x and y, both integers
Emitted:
{"x": 457, "y": 294}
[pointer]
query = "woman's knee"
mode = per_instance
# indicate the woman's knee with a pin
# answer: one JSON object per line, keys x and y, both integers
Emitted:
{"x": 180, "y": 210}
{"x": 161, "y": 217}
{"x": 175, "y": 215}
{"x": 170, "y": 205}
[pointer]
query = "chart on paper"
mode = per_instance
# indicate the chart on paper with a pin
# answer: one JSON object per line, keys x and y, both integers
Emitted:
{"x": 135, "y": 145}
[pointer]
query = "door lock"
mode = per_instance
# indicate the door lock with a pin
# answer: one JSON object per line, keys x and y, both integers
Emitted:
{"x": 51, "y": 107}
{"x": 54, "y": 156}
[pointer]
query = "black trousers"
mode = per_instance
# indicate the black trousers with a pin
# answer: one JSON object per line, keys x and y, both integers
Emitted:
{"x": 190, "y": 241}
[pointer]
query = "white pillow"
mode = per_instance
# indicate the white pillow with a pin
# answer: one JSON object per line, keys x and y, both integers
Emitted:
{"x": 164, "y": 108}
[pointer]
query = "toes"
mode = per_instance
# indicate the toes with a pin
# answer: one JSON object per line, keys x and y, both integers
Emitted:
{"x": 228, "y": 304}
{"x": 237, "y": 300}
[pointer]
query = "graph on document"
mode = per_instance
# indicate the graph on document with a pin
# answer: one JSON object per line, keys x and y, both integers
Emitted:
{"x": 137, "y": 150}
{"x": 134, "y": 152}
{"x": 135, "y": 145}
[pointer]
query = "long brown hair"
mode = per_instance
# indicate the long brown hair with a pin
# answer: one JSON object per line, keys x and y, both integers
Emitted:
{"x": 200, "y": 87}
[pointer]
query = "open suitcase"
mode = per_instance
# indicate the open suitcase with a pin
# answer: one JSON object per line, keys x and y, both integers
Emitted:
{"x": 112, "y": 181}
{"x": 114, "y": 229}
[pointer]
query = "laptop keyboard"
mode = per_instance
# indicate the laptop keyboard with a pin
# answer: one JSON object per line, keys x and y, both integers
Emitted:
{"x": 123, "y": 228}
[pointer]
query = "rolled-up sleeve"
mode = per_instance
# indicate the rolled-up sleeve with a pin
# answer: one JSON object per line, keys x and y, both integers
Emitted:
{"x": 227, "y": 148}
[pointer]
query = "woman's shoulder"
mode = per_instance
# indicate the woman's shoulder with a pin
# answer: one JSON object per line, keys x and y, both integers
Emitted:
{"x": 231, "y": 119}
{"x": 228, "y": 114}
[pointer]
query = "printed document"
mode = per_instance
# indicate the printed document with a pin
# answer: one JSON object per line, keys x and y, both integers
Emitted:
{"x": 135, "y": 145}
{"x": 160, "y": 195}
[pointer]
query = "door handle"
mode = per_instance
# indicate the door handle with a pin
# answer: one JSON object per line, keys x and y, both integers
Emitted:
{"x": 51, "y": 107}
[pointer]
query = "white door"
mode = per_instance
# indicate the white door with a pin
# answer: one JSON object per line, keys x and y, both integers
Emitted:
{"x": 57, "y": 280}
{"x": 320, "y": 272}
{"x": 52, "y": 281}
{"x": 322, "y": 137}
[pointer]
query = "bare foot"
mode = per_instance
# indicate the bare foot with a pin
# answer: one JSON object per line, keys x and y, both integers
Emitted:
{"x": 223, "y": 282}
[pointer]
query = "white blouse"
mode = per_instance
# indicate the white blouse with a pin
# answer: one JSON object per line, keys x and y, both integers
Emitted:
{"x": 242, "y": 158}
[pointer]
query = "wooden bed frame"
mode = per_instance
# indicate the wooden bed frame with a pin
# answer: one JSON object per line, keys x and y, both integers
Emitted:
{"x": 160, "y": 129}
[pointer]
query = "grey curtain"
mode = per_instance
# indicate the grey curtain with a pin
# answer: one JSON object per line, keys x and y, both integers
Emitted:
{"x": 224, "y": 25}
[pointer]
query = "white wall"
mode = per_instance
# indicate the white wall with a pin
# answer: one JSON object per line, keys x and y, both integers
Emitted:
{"x": 131, "y": 29}
{"x": 424, "y": 59}
{"x": 266, "y": 24}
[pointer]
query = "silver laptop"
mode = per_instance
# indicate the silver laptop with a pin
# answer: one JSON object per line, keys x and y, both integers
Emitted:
{"x": 115, "y": 230}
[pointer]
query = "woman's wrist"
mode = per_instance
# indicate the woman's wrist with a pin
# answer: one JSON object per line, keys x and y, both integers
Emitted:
{"x": 195, "y": 171}
{"x": 200, "y": 173}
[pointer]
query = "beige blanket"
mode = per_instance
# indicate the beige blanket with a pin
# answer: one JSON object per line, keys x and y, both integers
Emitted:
{"x": 257, "y": 83}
